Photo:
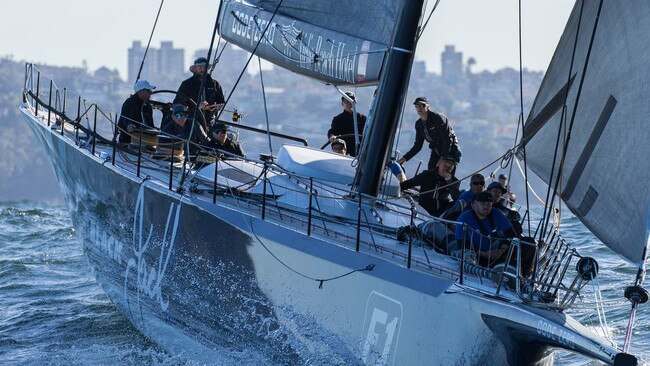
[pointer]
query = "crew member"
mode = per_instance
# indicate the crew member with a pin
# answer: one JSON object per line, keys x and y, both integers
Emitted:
{"x": 136, "y": 111}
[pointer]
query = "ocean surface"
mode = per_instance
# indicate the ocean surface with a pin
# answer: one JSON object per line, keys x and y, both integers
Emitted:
{"x": 52, "y": 312}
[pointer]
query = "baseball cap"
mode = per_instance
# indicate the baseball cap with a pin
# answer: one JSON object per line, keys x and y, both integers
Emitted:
{"x": 142, "y": 85}
{"x": 497, "y": 185}
{"x": 482, "y": 197}
{"x": 179, "y": 108}
{"x": 339, "y": 142}
{"x": 350, "y": 95}
{"x": 421, "y": 100}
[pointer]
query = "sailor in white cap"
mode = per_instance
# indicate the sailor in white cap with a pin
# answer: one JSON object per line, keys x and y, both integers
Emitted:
{"x": 137, "y": 112}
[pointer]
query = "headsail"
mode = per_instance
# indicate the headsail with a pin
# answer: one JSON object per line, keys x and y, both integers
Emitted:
{"x": 605, "y": 176}
{"x": 328, "y": 40}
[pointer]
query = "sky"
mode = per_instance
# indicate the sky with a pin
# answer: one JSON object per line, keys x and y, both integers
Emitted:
{"x": 71, "y": 32}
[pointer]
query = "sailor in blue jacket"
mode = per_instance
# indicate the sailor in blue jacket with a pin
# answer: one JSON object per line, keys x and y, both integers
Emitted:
{"x": 482, "y": 227}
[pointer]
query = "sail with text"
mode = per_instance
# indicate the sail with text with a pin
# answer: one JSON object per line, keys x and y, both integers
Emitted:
{"x": 338, "y": 42}
{"x": 600, "y": 69}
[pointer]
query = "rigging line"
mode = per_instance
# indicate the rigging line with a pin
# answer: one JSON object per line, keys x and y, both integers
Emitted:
{"x": 217, "y": 57}
{"x": 600, "y": 310}
{"x": 241, "y": 74}
{"x": 573, "y": 113}
{"x": 199, "y": 99}
{"x": 521, "y": 119}
{"x": 266, "y": 111}
{"x": 149, "y": 42}
{"x": 546, "y": 215}
{"x": 249, "y": 224}
{"x": 530, "y": 186}
{"x": 272, "y": 45}
{"x": 435, "y": 6}
{"x": 509, "y": 151}
{"x": 298, "y": 37}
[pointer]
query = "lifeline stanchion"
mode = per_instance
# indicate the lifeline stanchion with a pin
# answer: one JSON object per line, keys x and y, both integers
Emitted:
{"x": 359, "y": 223}
{"x": 77, "y": 120}
{"x": 311, "y": 192}
{"x": 171, "y": 163}
{"x": 94, "y": 130}
{"x": 114, "y": 141}
{"x": 139, "y": 153}
{"x": 214, "y": 185}
{"x": 65, "y": 92}
{"x": 38, "y": 89}
{"x": 264, "y": 193}
{"x": 410, "y": 250}
{"x": 49, "y": 105}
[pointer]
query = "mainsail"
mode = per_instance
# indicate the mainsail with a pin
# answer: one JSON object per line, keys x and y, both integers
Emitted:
{"x": 604, "y": 180}
{"x": 327, "y": 40}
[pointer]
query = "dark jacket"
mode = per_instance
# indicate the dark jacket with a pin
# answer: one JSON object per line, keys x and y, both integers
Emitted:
{"x": 434, "y": 202}
{"x": 230, "y": 147}
{"x": 137, "y": 111}
{"x": 437, "y": 131}
{"x": 190, "y": 89}
{"x": 343, "y": 124}
{"x": 183, "y": 133}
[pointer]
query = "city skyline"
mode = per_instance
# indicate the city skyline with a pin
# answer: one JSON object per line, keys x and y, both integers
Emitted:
{"x": 488, "y": 33}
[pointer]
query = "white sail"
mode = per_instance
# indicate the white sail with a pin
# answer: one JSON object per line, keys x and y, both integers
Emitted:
{"x": 326, "y": 40}
{"x": 605, "y": 176}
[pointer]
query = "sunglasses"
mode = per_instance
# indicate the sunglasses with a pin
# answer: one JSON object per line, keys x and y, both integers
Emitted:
{"x": 180, "y": 115}
{"x": 479, "y": 183}
{"x": 338, "y": 148}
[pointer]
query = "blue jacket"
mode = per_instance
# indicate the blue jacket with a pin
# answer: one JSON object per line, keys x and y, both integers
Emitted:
{"x": 496, "y": 225}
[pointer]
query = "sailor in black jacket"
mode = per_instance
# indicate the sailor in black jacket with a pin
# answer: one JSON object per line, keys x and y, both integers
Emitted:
{"x": 136, "y": 112}
{"x": 212, "y": 98}
{"x": 435, "y": 129}
{"x": 222, "y": 143}
{"x": 343, "y": 124}
{"x": 438, "y": 186}
{"x": 179, "y": 127}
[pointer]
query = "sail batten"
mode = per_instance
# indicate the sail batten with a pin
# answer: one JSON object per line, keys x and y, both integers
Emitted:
{"x": 606, "y": 169}
{"x": 332, "y": 41}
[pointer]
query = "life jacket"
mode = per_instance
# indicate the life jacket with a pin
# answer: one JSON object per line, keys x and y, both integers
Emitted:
{"x": 489, "y": 232}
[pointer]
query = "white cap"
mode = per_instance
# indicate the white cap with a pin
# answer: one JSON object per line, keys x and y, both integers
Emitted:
{"x": 142, "y": 85}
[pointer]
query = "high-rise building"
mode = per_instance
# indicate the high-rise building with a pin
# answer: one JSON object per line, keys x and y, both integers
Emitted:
{"x": 452, "y": 64}
{"x": 170, "y": 60}
{"x": 161, "y": 64}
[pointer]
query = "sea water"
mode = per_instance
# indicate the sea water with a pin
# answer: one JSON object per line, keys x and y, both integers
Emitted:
{"x": 52, "y": 312}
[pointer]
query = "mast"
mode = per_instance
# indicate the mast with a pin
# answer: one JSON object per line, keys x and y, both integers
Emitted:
{"x": 390, "y": 98}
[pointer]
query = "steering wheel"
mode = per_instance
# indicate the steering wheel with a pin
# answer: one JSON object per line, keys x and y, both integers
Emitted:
{"x": 165, "y": 107}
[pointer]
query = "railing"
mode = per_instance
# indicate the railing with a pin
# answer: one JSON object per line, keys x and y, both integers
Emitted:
{"x": 549, "y": 284}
